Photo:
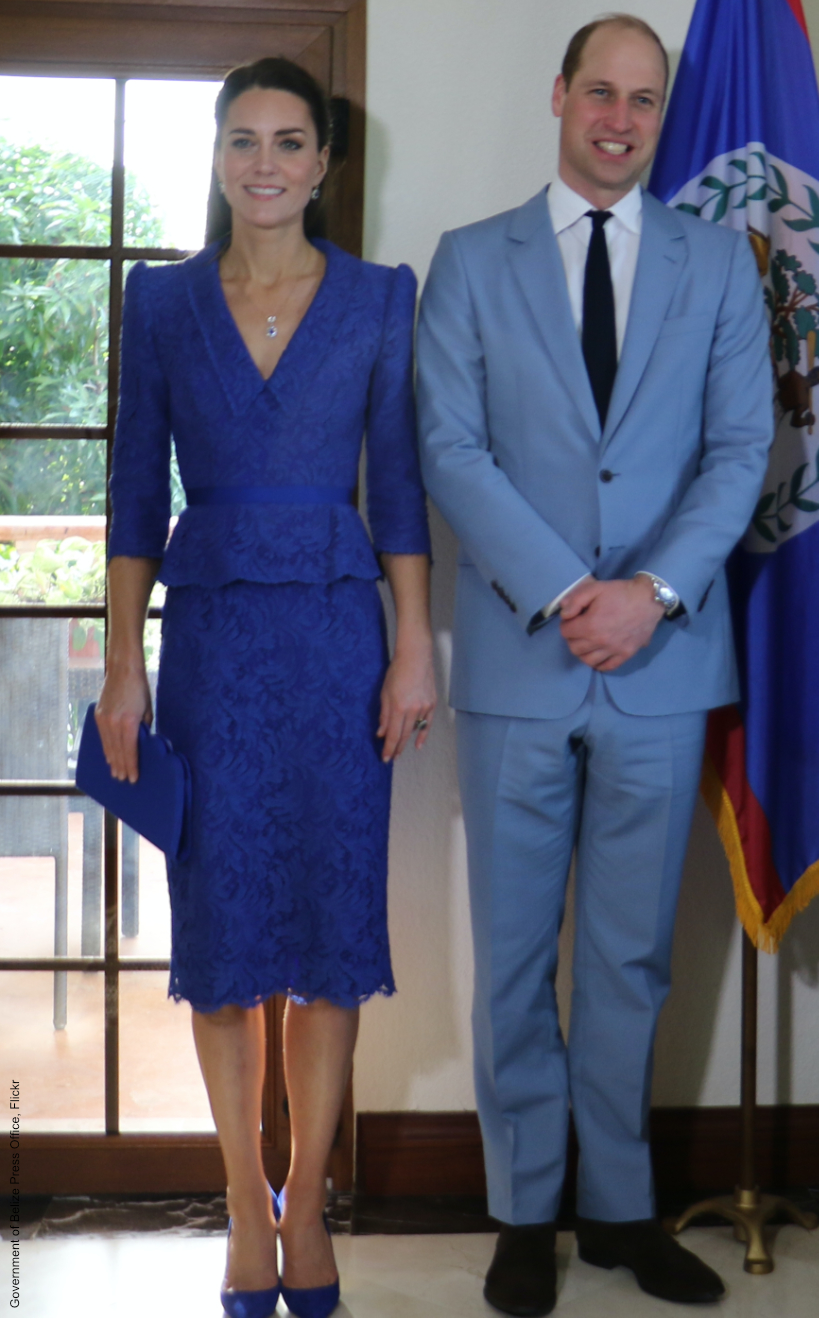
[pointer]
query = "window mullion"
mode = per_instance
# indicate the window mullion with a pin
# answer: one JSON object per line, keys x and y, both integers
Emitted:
{"x": 111, "y": 827}
{"x": 112, "y": 979}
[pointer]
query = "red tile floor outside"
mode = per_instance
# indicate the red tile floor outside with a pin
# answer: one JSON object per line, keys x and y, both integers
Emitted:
{"x": 61, "y": 1072}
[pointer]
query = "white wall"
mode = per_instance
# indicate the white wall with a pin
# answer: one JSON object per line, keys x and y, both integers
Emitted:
{"x": 459, "y": 127}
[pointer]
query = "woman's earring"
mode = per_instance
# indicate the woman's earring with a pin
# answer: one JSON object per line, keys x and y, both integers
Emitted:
{"x": 316, "y": 194}
{"x": 221, "y": 186}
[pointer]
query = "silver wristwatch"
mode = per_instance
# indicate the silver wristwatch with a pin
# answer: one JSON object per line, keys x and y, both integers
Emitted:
{"x": 664, "y": 595}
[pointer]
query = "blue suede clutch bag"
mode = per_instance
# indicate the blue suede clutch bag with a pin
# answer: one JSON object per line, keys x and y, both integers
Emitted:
{"x": 158, "y": 804}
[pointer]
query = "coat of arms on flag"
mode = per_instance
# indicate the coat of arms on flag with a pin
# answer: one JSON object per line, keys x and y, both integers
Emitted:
{"x": 739, "y": 147}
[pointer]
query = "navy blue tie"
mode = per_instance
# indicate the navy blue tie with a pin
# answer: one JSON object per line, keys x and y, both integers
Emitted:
{"x": 598, "y": 338}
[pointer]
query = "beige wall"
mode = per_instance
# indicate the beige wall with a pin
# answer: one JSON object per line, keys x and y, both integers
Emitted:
{"x": 460, "y": 127}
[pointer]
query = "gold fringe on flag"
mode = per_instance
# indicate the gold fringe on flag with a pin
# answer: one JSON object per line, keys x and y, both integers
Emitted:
{"x": 764, "y": 934}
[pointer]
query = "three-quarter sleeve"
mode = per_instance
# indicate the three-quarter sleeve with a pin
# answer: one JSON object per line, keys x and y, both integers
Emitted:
{"x": 141, "y": 467}
{"x": 396, "y": 502}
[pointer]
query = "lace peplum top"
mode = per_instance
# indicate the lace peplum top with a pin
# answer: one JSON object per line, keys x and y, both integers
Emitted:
{"x": 187, "y": 375}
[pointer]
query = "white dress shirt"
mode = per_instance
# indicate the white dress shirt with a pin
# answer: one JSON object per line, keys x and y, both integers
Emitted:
{"x": 573, "y": 230}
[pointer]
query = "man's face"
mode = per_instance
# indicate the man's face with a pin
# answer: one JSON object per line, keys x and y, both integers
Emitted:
{"x": 610, "y": 114}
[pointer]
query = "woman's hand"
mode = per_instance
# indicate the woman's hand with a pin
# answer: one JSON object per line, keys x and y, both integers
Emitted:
{"x": 409, "y": 691}
{"x": 125, "y": 703}
{"x": 125, "y": 700}
{"x": 408, "y": 696}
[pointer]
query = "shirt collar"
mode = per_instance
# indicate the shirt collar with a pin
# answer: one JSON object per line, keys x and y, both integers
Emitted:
{"x": 566, "y": 206}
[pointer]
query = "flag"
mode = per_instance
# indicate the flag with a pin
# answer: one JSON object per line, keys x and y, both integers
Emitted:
{"x": 739, "y": 148}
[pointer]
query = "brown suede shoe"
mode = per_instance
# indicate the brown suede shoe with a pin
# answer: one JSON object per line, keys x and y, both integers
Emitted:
{"x": 661, "y": 1266}
{"x": 521, "y": 1278}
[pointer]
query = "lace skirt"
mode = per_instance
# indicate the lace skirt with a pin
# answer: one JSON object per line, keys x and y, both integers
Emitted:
{"x": 272, "y": 693}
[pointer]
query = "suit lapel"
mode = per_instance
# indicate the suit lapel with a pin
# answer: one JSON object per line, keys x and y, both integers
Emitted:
{"x": 313, "y": 339}
{"x": 230, "y": 359}
{"x": 539, "y": 271}
{"x": 304, "y": 354}
{"x": 660, "y": 261}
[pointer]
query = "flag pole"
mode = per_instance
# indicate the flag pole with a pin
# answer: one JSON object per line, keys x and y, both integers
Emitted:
{"x": 748, "y": 1209}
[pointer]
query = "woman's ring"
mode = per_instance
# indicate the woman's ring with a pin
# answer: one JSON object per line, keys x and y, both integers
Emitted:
{"x": 419, "y": 725}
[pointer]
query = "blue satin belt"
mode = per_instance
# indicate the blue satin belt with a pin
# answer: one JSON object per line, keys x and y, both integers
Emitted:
{"x": 270, "y": 494}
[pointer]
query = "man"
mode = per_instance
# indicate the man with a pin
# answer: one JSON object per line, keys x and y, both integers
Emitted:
{"x": 595, "y": 405}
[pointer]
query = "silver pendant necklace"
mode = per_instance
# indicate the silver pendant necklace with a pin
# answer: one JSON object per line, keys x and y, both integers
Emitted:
{"x": 271, "y": 331}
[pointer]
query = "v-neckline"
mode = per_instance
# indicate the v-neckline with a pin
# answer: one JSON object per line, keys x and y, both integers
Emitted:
{"x": 264, "y": 381}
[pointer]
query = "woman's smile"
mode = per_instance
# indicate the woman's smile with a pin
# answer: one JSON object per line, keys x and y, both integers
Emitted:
{"x": 268, "y": 151}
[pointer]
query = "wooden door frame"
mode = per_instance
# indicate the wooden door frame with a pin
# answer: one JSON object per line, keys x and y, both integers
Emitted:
{"x": 116, "y": 38}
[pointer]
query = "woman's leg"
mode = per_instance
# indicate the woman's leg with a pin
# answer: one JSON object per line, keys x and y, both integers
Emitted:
{"x": 230, "y": 1044}
{"x": 319, "y": 1042}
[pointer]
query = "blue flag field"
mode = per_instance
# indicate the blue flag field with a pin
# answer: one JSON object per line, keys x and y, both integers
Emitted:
{"x": 739, "y": 147}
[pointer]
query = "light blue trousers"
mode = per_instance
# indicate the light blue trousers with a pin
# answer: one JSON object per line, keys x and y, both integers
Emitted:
{"x": 622, "y": 789}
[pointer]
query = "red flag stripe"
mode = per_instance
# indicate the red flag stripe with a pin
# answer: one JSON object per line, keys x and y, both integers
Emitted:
{"x": 797, "y": 9}
{"x": 726, "y": 746}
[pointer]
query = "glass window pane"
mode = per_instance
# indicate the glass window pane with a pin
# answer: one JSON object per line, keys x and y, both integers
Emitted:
{"x": 41, "y": 846}
{"x": 51, "y": 561}
{"x": 51, "y": 847}
{"x": 50, "y": 670}
{"x": 86, "y": 668}
{"x": 52, "y": 476}
{"x": 146, "y": 913}
{"x": 56, "y": 151}
{"x": 156, "y": 602}
{"x": 169, "y": 139}
{"x": 33, "y": 702}
{"x": 52, "y": 521}
{"x": 61, "y": 1071}
{"x": 50, "y": 877}
{"x": 161, "y": 1088}
{"x": 53, "y": 342}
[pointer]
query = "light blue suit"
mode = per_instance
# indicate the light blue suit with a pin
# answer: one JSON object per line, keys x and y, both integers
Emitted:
{"x": 550, "y": 754}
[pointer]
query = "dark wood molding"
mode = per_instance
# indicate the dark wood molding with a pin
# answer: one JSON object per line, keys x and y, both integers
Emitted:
{"x": 86, "y": 1163}
{"x": 82, "y": 1164}
{"x": 155, "y": 45}
{"x": 419, "y": 1154}
{"x": 302, "y": 11}
{"x": 699, "y": 1148}
{"x": 155, "y": 40}
{"x": 695, "y": 1151}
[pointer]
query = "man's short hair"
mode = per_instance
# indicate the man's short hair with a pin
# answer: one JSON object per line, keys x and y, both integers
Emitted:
{"x": 575, "y": 49}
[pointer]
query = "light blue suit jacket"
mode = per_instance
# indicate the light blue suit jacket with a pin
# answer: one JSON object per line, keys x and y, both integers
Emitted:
{"x": 514, "y": 457}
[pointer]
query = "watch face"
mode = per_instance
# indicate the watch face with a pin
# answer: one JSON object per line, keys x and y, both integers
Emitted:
{"x": 665, "y": 596}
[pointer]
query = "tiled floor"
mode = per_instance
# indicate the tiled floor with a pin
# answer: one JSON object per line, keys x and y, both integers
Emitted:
{"x": 123, "y": 1277}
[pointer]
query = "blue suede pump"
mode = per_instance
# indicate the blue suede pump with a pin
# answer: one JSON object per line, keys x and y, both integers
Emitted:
{"x": 310, "y": 1302}
{"x": 256, "y": 1304}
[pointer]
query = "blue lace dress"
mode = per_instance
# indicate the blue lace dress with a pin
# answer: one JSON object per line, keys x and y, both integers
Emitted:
{"x": 273, "y": 644}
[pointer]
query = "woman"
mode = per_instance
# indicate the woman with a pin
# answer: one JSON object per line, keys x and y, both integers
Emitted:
{"x": 267, "y": 356}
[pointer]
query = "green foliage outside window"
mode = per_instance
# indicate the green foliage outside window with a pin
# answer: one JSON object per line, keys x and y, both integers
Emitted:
{"x": 54, "y": 325}
{"x": 56, "y": 572}
{"x": 67, "y": 572}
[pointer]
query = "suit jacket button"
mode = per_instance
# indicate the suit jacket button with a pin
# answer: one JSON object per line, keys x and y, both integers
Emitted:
{"x": 605, "y": 475}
